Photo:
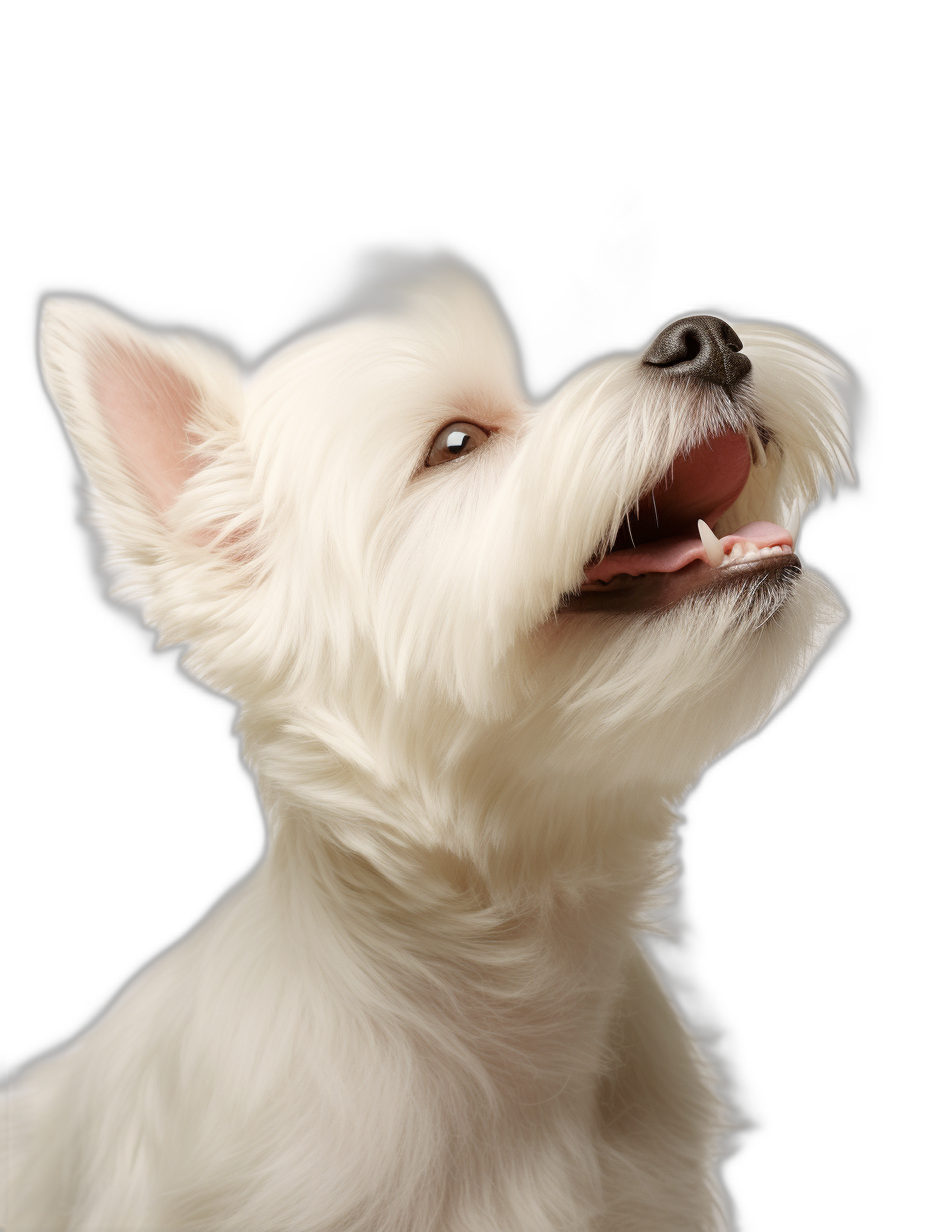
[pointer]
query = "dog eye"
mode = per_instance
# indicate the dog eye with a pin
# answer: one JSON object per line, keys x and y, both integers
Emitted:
{"x": 454, "y": 441}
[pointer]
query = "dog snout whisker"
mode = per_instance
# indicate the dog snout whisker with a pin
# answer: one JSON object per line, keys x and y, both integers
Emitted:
{"x": 703, "y": 347}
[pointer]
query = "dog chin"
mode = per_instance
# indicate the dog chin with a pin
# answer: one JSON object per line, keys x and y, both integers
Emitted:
{"x": 769, "y": 581}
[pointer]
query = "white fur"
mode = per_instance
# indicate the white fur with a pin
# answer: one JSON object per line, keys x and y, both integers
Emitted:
{"x": 428, "y": 1010}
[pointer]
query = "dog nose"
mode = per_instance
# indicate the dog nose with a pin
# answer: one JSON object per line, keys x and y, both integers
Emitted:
{"x": 704, "y": 347}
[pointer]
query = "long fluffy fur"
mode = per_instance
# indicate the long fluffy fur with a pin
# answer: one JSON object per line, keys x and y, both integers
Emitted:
{"x": 428, "y": 1008}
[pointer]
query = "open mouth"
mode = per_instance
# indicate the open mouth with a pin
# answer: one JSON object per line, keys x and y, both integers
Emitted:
{"x": 667, "y": 547}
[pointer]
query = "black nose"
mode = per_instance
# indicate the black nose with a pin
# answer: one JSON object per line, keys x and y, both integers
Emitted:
{"x": 702, "y": 347}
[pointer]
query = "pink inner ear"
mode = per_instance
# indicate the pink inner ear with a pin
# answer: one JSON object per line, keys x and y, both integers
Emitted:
{"x": 148, "y": 407}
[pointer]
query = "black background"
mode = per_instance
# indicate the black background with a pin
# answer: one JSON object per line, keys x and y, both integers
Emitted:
{"x": 136, "y": 814}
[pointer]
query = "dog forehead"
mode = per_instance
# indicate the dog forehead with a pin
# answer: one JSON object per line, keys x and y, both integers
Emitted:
{"x": 446, "y": 317}
{"x": 378, "y": 387}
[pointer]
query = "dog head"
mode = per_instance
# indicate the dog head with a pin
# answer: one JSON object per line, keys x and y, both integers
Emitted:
{"x": 436, "y": 601}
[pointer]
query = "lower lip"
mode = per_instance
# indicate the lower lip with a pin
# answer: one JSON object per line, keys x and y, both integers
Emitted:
{"x": 654, "y": 591}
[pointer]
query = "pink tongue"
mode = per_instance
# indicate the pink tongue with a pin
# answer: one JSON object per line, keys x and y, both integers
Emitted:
{"x": 669, "y": 555}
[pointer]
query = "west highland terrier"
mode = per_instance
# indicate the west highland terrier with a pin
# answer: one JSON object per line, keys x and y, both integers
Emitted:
{"x": 479, "y": 647}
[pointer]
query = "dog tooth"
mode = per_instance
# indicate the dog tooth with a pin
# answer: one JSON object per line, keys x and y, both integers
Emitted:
{"x": 714, "y": 550}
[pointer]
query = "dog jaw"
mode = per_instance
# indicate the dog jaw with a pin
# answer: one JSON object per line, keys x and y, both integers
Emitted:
{"x": 706, "y": 480}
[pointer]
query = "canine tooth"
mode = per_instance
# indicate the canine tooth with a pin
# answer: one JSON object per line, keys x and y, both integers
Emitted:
{"x": 713, "y": 545}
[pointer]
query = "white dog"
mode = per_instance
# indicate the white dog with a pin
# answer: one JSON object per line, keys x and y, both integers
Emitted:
{"x": 479, "y": 645}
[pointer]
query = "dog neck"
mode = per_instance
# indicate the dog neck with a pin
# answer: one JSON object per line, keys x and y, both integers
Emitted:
{"x": 518, "y": 975}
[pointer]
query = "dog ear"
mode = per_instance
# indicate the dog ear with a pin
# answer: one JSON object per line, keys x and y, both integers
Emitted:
{"x": 141, "y": 407}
